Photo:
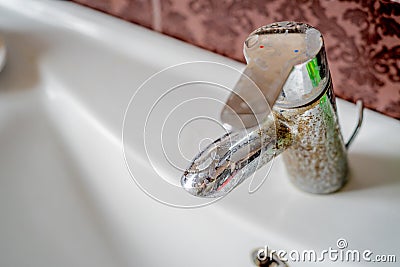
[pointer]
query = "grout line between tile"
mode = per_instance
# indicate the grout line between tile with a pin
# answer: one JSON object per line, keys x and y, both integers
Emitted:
{"x": 156, "y": 15}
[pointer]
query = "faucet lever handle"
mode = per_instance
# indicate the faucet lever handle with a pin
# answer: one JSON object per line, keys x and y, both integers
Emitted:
{"x": 271, "y": 57}
{"x": 254, "y": 95}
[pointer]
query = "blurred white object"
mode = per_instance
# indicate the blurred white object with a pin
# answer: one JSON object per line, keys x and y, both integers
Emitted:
{"x": 2, "y": 53}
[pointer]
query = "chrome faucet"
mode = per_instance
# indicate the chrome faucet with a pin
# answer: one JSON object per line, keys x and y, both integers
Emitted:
{"x": 287, "y": 70}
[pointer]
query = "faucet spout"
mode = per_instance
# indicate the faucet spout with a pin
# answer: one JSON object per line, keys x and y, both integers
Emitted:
{"x": 231, "y": 159}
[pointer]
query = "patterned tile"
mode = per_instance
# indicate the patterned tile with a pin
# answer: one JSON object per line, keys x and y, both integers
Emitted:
{"x": 137, "y": 11}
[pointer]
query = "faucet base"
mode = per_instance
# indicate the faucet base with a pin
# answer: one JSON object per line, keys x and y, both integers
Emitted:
{"x": 317, "y": 158}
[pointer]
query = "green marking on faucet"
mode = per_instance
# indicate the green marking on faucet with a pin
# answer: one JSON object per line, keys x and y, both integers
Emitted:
{"x": 313, "y": 72}
{"x": 328, "y": 117}
{"x": 325, "y": 107}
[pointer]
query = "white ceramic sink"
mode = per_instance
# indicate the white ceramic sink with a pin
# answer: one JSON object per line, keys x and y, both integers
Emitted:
{"x": 68, "y": 199}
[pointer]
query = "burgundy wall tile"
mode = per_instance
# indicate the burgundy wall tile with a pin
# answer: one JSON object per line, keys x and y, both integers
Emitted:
{"x": 137, "y": 11}
{"x": 361, "y": 37}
